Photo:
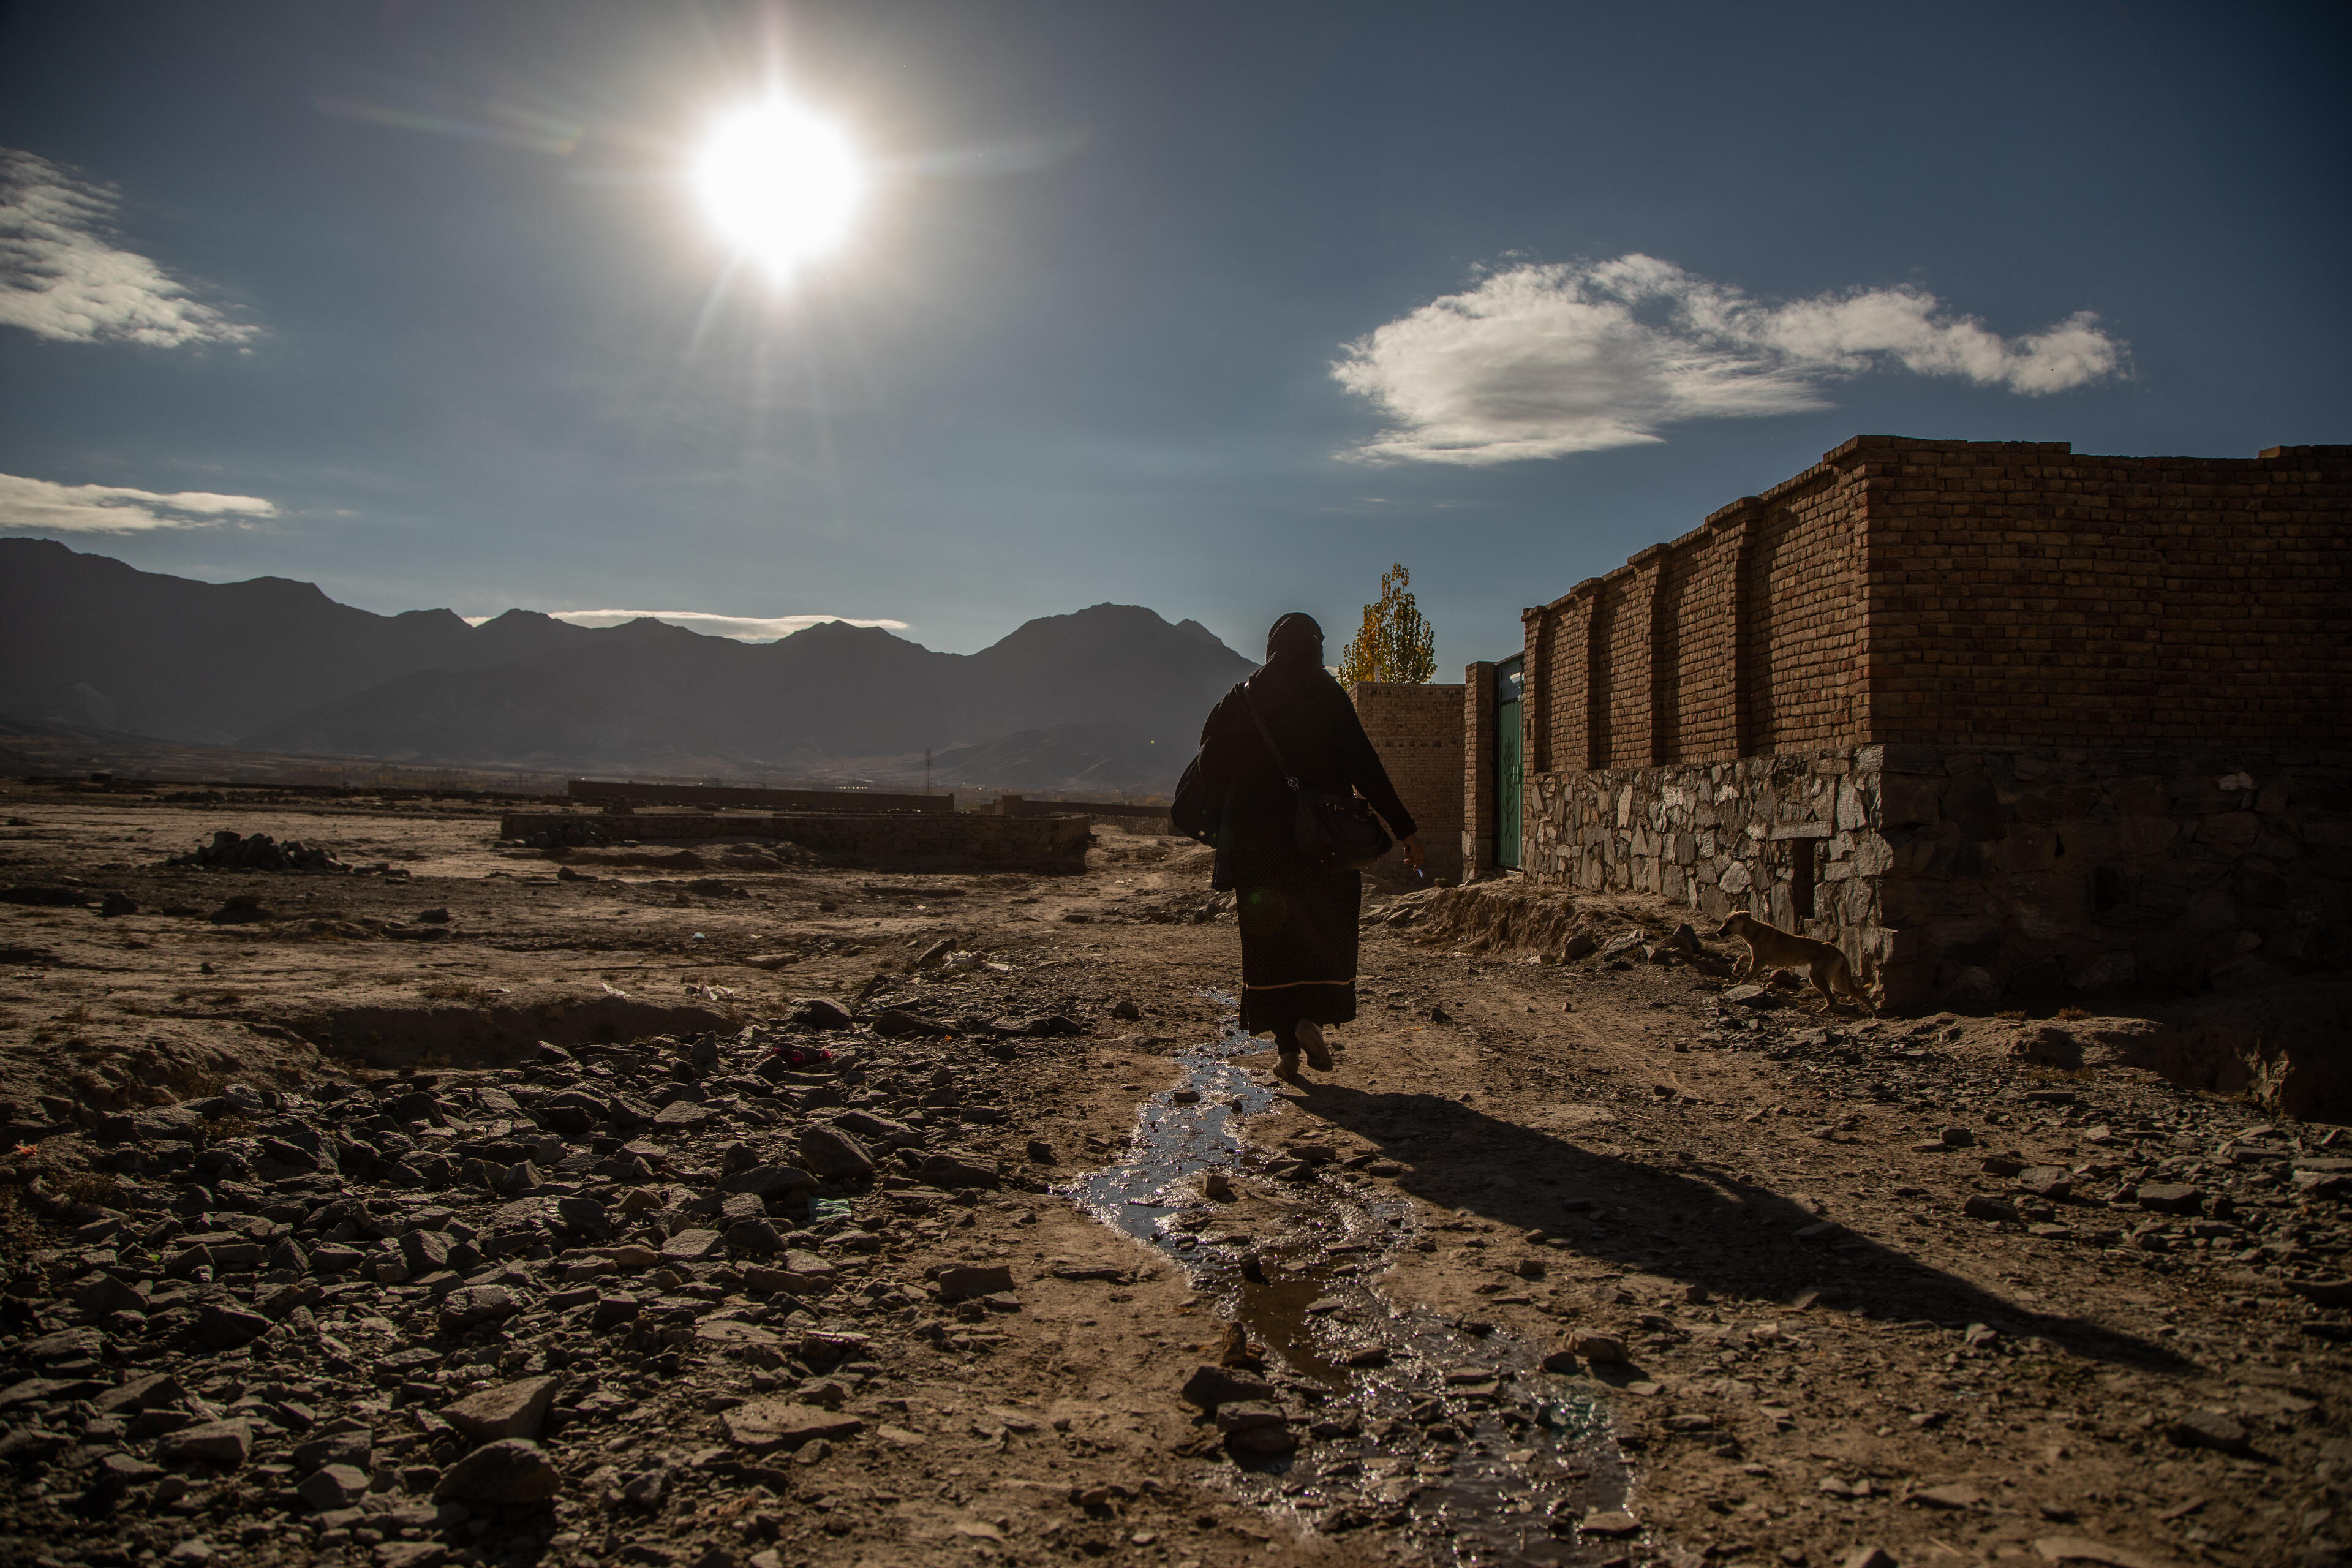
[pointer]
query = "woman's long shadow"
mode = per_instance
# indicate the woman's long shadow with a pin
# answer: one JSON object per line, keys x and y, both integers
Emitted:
{"x": 1697, "y": 1223}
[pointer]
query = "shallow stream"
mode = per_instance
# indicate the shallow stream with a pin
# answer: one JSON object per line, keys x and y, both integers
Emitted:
{"x": 1445, "y": 1429}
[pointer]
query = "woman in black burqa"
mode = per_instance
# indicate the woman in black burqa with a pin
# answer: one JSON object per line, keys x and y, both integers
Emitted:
{"x": 1297, "y": 917}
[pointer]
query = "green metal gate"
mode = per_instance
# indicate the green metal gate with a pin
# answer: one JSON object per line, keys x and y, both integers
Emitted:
{"x": 1508, "y": 749}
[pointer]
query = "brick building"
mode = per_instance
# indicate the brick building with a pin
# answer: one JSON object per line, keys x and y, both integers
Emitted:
{"x": 1998, "y": 718}
{"x": 1417, "y": 730}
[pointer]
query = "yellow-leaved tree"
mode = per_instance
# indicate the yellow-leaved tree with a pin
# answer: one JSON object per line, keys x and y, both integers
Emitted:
{"x": 1395, "y": 644}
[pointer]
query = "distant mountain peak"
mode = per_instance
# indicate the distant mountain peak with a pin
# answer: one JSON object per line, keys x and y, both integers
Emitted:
{"x": 1195, "y": 628}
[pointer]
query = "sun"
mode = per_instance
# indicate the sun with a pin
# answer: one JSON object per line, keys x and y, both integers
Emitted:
{"x": 779, "y": 183}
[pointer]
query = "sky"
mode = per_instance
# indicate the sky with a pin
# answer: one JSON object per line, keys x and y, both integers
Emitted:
{"x": 1218, "y": 309}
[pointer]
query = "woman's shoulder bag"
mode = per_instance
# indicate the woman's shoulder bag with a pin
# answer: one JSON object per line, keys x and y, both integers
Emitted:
{"x": 1340, "y": 831}
{"x": 1194, "y": 813}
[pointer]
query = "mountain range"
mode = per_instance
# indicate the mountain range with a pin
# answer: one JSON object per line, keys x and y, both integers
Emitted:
{"x": 1106, "y": 699}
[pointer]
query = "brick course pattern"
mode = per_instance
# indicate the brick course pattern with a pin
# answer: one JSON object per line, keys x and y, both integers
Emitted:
{"x": 1478, "y": 744}
{"x": 1967, "y": 592}
{"x": 1929, "y": 675}
{"x": 1417, "y": 730}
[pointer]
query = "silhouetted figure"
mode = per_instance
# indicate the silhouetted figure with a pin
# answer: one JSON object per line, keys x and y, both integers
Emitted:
{"x": 1297, "y": 917}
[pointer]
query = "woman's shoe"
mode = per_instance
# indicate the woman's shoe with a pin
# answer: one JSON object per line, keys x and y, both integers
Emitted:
{"x": 1285, "y": 1068}
{"x": 1310, "y": 1040}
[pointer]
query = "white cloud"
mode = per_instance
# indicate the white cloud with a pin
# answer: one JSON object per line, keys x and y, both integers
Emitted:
{"x": 742, "y": 628}
{"x": 1539, "y": 361}
{"x": 63, "y": 278}
{"x": 111, "y": 509}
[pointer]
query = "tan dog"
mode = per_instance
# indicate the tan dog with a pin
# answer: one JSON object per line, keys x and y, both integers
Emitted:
{"x": 1770, "y": 948}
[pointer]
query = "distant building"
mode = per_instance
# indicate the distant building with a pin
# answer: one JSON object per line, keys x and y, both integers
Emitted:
{"x": 2000, "y": 718}
{"x": 1417, "y": 730}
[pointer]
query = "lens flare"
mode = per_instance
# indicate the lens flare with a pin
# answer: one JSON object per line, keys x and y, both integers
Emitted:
{"x": 779, "y": 183}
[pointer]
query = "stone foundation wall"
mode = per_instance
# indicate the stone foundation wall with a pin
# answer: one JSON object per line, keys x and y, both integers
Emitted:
{"x": 1965, "y": 875}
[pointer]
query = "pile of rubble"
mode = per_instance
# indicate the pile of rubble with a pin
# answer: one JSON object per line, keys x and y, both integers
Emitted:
{"x": 259, "y": 852}
{"x": 395, "y": 1320}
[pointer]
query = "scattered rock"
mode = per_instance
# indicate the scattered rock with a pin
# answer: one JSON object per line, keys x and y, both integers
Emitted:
{"x": 104, "y": 1293}
{"x": 1211, "y": 1386}
{"x": 830, "y": 1152}
{"x": 509, "y": 1472}
{"x": 510, "y": 1410}
{"x": 2077, "y": 1549}
{"x": 2207, "y": 1429}
{"x": 222, "y": 1326}
{"x": 781, "y": 1424}
{"x": 691, "y": 1244}
{"x": 223, "y": 1445}
{"x": 897, "y": 1024}
{"x": 822, "y": 1013}
{"x": 474, "y": 1305}
{"x": 2323, "y": 1292}
{"x": 2166, "y": 1197}
{"x": 1256, "y": 1427}
{"x": 333, "y": 1487}
{"x": 954, "y": 1170}
{"x": 969, "y": 1282}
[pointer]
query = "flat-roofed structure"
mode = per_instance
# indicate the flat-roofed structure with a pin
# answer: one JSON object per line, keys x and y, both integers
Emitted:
{"x": 1998, "y": 716}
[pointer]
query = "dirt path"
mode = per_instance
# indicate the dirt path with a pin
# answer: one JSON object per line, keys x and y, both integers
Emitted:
{"x": 1738, "y": 1237}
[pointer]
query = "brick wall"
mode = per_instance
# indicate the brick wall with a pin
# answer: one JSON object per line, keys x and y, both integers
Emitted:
{"x": 1478, "y": 744}
{"x": 1742, "y": 637}
{"x": 1991, "y": 592}
{"x": 1418, "y": 731}
{"x": 2021, "y": 594}
{"x": 2033, "y": 719}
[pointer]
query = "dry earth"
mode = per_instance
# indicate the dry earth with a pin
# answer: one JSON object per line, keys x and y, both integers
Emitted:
{"x": 489, "y": 1210}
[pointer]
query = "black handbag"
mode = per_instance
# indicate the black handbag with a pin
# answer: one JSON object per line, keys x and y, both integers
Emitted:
{"x": 1339, "y": 831}
{"x": 1192, "y": 813}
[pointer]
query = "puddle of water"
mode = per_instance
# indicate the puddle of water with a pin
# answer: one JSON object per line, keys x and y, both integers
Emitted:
{"x": 1437, "y": 1428}
{"x": 1173, "y": 1141}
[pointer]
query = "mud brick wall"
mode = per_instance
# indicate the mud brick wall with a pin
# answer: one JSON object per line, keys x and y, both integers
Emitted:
{"x": 915, "y": 840}
{"x": 2024, "y": 593}
{"x": 1745, "y": 636}
{"x": 1478, "y": 744}
{"x": 1417, "y": 730}
{"x": 1697, "y": 714}
{"x": 1987, "y": 592}
{"x": 1968, "y": 876}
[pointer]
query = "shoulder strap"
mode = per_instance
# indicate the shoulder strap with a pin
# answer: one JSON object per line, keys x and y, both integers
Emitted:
{"x": 1267, "y": 736}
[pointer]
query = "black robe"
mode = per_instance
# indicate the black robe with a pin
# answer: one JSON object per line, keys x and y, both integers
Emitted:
{"x": 1297, "y": 918}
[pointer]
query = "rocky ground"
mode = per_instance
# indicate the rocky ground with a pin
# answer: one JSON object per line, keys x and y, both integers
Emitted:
{"x": 445, "y": 1203}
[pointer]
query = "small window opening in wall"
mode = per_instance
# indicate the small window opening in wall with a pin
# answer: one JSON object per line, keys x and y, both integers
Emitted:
{"x": 2106, "y": 889}
{"x": 1801, "y": 876}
